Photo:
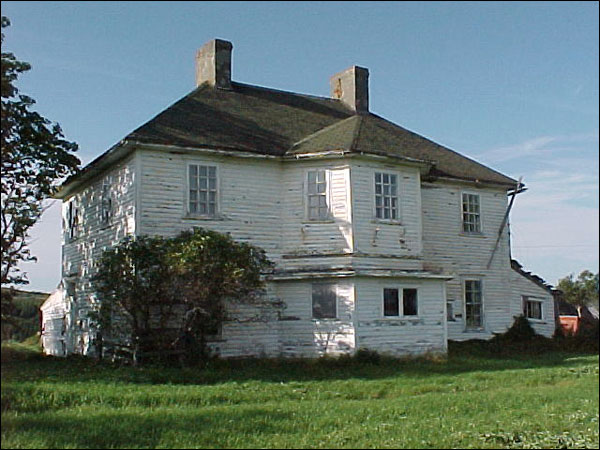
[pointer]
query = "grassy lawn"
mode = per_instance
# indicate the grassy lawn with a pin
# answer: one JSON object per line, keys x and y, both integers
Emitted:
{"x": 529, "y": 401}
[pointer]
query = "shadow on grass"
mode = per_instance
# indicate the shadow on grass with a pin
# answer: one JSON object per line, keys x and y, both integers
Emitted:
{"x": 20, "y": 365}
{"x": 214, "y": 428}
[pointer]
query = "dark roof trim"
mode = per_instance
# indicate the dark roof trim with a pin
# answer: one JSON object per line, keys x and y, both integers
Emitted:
{"x": 517, "y": 267}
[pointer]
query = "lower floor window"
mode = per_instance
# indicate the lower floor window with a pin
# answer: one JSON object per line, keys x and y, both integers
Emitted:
{"x": 532, "y": 308}
{"x": 392, "y": 302}
{"x": 324, "y": 301}
{"x": 473, "y": 304}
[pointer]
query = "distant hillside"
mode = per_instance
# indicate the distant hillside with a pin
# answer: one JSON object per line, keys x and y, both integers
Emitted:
{"x": 27, "y": 304}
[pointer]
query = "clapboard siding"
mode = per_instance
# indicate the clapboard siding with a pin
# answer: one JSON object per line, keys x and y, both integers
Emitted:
{"x": 301, "y": 335}
{"x": 424, "y": 333}
{"x": 522, "y": 286}
{"x": 301, "y": 236}
{"x": 81, "y": 254}
{"x": 249, "y": 198}
{"x": 401, "y": 239}
{"x": 447, "y": 249}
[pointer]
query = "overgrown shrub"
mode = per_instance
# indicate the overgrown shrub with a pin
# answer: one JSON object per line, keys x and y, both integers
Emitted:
{"x": 169, "y": 294}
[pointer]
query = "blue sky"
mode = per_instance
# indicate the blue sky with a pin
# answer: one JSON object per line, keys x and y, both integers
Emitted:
{"x": 513, "y": 85}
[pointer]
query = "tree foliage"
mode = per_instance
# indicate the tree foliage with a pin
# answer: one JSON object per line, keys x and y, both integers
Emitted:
{"x": 180, "y": 284}
{"x": 35, "y": 157}
{"x": 581, "y": 291}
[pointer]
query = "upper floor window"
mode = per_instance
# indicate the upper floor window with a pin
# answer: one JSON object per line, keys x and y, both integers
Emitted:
{"x": 392, "y": 302}
{"x": 471, "y": 213}
{"x": 202, "y": 196}
{"x": 386, "y": 196}
{"x": 72, "y": 220}
{"x": 532, "y": 308}
{"x": 106, "y": 203}
{"x": 324, "y": 301}
{"x": 473, "y": 304}
{"x": 318, "y": 207}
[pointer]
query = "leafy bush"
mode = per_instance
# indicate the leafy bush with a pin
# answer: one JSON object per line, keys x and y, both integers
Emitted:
{"x": 163, "y": 295}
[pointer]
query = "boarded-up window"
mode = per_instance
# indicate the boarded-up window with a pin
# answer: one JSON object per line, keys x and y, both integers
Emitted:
{"x": 473, "y": 303}
{"x": 318, "y": 208}
{"x": 202, "y": 190}
{"x": 471, "y": 213}
{"x": 409, "y": 302}
{"x": 324, "y": 301}
{"x": 532, "y": 308}
{"x": 386, "y": 196}
{"x": 391, "y": 305}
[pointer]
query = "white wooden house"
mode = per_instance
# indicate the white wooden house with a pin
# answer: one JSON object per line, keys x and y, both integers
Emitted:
{"x": 382, "y": 239}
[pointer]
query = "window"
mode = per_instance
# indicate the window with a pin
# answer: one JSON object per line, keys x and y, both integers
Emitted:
{"x": 202, "y": 198}
{"x": 532, "y": 308}
{"x": 392, "y": 302}
{"x": 409, "y": 302}
{"x": 386, "y": 196}
{"x": 324, "y": 301}
{"x": 391, "y": 305}
{"x": 106, "y": 203}
{"x": 318, "y": 208}
{"x": 473, "y": 303}
{"x": 72, "y": 220}
{"x": 471, "y": 213}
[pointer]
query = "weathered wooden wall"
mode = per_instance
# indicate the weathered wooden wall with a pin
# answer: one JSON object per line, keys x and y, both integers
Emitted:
{"x": 403, "y": 335}
{"x": 446, "y": 248}
{"x": 81, "y": 253}
{"x": 262, "y": 200}
{"x": 522, "y": 286}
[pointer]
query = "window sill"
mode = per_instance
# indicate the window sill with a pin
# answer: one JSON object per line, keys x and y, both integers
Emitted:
{"x": 473, "y": 234}
{"x": 408, "y": 318}
{"x": 315, "y": 222}
{"x": 537, "y": 321}
{"x": 199, "y": 217}
{"x": 387, "y": 222}
{"x": 474, "y": 330}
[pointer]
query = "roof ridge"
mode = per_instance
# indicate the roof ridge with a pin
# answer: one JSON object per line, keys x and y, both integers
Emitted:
{"x": 356, "y": 133}
{"x": 297, "y": 94}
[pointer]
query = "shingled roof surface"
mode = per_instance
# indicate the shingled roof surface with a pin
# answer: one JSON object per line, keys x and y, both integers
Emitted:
{"x": 267, "y": 121}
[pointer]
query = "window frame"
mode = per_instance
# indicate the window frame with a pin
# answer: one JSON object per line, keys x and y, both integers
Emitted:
{"x": 334, "y": 287}
{"x": 106, "y": 197}
{"x": 382, "y": 172}
{"x": 400, "y": 288}
{"x": 307, "y": 194}
{"x": 481, "y": 326}
{"x": 73, "y": 214}
{"x": 198, "y": 215}
{"x": 525, "y": 299}
{"x": 462, "y": 213}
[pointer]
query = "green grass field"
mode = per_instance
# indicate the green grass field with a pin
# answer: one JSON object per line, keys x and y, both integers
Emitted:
{"x": 529, "y": 401}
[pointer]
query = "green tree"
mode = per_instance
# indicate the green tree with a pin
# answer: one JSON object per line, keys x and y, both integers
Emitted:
{"x": 178, "y": 285}
{"x": 35, "y": 157}
{"x": 581, "y": 291}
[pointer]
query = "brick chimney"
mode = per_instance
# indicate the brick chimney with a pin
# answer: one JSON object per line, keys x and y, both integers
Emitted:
{"x": 213, "y": 64}
{"x": 351, "y": 86}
